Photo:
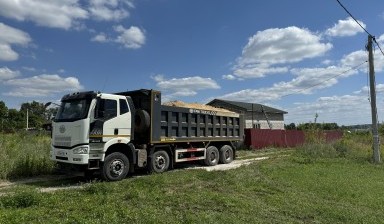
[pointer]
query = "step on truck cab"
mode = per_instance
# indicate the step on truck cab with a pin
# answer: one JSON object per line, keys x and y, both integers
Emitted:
{"x": 118, "y": 133}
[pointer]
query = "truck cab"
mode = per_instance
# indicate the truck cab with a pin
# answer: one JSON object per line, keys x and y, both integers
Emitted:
{"x": 86, "y": 125}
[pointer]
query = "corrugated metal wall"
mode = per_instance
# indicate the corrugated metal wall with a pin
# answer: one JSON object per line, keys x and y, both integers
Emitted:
{"x": 262, "y": 138}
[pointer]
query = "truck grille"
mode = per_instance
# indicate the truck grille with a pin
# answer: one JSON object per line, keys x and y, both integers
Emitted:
{"x": 63, "y": 141}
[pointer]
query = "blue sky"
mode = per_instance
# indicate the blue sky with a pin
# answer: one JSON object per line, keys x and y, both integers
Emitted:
{"x": 293, "y": 55}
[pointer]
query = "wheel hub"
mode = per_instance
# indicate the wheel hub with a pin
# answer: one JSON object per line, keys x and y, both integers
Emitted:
{"x": 226, "y": 154}
{"x": 160, "y": 162}
{"x": 117, "y": 167}
{"x": 212, "y": 156}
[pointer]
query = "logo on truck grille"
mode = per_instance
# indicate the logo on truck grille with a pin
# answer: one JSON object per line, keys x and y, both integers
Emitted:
{"x": 62, "y": 129}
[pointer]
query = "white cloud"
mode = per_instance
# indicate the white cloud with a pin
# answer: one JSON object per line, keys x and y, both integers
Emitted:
{"x": 7, "y": 54}
{"x": 365, "y": 89}
{"x": 291, "y": 44}
{"x": 380, "y": 88}
{"x": 251, "y": 95}
{"x": 347, "y": 27}
{"x": 270, "y": 47}
{"x": 357, "y": 57}
{"x": 381, "y": 38}
{"x": 319, "y": 77}
{"x": 326, "y": 62}
{"x": 65, "y": 14}
{"x": 259, "y": 71}
{"x": 30, "y": 69}
{"x": 306, "y": 80}
{"x": 6, "y": 73}
{"x": 354, "y": 108}
{"x": 109, "y": 10}
{"x": 11, "y": 36}
{"x": 229, "y": 77}
{"x": 101, "y": 37}
{"x": 354, "y": 58}
{"x": 42, "y": 85}
{"x": 55, "y": 13}
{"x": 184, "y": 86}
{"x": 132, "y": 37}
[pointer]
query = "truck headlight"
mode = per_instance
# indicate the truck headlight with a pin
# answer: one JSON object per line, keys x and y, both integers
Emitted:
{"x": 80, "y": 150}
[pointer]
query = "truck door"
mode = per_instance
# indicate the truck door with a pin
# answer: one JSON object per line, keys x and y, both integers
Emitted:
{"x": 113, "y": 117}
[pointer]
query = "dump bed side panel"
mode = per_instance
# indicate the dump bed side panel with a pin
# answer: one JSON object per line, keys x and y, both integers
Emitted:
{"x": 179, "y": 124}
{"x": 188, "y": 125}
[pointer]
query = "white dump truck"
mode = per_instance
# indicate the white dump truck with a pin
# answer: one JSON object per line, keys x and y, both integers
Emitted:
{"x": 118, "y": 133}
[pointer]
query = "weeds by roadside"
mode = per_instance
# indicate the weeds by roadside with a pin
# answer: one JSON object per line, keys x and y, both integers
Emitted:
{"x": 356, "y": 147}
{"x": 24, "y": 155}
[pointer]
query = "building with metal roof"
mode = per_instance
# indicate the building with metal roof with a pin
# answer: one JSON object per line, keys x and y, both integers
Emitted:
{"x": 255, "y": 115}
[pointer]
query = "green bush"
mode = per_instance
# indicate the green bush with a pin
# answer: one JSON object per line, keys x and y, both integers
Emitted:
{"x": 20, "y": 199}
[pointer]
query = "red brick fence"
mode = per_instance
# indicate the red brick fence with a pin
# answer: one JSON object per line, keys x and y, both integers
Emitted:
{"x": 262, "y": 138}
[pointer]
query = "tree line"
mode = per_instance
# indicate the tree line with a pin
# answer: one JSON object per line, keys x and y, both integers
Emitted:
{"x": 32, "y": 115}
{"x": 309, "y": 126}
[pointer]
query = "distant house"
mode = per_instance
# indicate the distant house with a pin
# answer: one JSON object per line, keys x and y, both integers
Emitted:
{"x": 256, "y": 115}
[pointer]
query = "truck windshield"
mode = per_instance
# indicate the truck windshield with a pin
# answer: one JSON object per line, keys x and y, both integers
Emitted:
{"x": 72, "y": 110}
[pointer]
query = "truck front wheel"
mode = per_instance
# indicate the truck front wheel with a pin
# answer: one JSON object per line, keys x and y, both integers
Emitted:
{"x": 115, "y": 167}
{"x": 212, "y": 156}
{"x": 159, "y": 162}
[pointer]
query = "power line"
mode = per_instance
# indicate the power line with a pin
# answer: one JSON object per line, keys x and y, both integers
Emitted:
{"x": 374, "y": 40}
{"x": 353, "y": 17}
{"x": 373, "y": 37}
{"x": 317, "y": 84}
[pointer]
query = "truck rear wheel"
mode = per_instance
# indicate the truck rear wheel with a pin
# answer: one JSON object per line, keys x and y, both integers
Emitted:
{"x": 212, "y": 156}
{"x": 115, "y": 167}
{"x": 159, "y": 162}
{"x": 226, "y": 154}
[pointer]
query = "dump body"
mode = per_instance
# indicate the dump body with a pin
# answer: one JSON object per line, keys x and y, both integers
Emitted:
{"x": 170, "y": 124}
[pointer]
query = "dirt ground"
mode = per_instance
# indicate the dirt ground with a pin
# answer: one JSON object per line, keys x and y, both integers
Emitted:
{"x": 78, "y": 183}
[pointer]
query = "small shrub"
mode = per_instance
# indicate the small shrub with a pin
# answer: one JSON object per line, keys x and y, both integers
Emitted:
{"x": 314, "y": 136}
{"x": 22, "y": 199}
{"x": 342, "y": 149}
{"x": 97, "y": 188}
{"x": 352, "y": 148}
{"x": 310, "y": 152}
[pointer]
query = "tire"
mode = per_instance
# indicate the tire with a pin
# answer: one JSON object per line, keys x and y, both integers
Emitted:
{"x": 212, "y": 156}
{"x": 159, "y": 162}
{"x": 226, "y": 154}
{"x": 142, "y": 121}
{"x": 116, "y": 167}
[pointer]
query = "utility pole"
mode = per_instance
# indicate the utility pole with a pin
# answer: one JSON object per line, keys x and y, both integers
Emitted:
{"x": 27, "y": 120}
{"x": 376, "y": 140}
{"x": 253, "y": 126}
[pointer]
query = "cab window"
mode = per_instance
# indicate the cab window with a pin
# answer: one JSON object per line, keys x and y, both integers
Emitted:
{"x": 106, "y": 109}
{"x": 123, "y": 106}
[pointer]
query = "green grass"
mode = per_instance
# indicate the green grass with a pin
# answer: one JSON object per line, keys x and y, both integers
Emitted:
{"x": 316, "y": 183}
{"x": 24, "y": 155}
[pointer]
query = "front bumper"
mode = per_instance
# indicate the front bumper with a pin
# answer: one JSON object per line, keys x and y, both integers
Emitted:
{"x": 67, "y": 156}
